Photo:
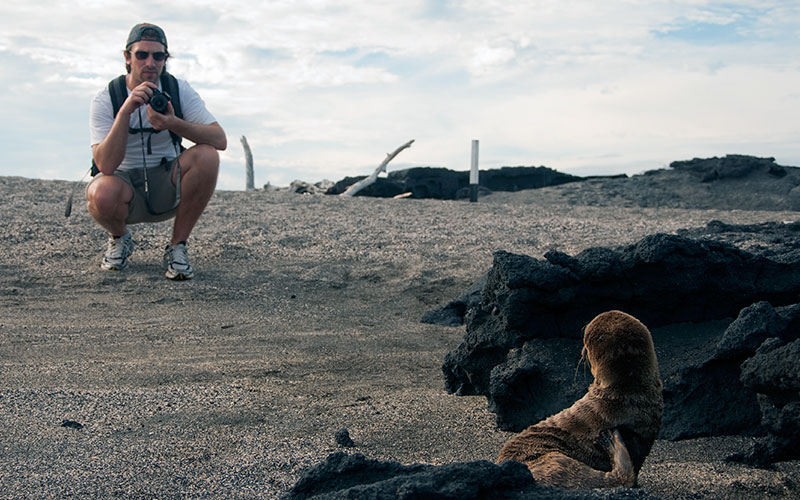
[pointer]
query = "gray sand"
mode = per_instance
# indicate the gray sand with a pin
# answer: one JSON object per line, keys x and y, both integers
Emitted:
{"x": 303, "y": 319}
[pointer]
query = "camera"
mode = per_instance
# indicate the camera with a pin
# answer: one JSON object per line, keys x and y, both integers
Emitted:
{"x": 159, "y": 101}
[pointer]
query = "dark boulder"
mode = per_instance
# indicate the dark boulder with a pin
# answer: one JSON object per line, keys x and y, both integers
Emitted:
{"x": 773, "y": 371}
{"x": 525, "y": 381}
{"x": 344, "y": 476}
{"x": 446, "y": 184}
{"x": 427, "y": 182}
{"x": 754, "y": 325}
{"x": 519, "y": 178}
{"x": 707, "y": 398}
{"x": 343, "y": 439}
{"x": 774, "y": 375}
{"x": 729, "y": 167}
{"x": 527, "y": 298}
{"x": 524, "y": 336}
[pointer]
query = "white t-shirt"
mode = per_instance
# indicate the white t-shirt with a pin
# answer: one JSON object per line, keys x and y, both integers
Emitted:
{"x": 101, "y": 119}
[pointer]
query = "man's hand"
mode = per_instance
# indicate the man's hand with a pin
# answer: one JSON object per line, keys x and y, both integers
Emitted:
{"x": 161, "y": 121}
{"x": 139, "y": 96}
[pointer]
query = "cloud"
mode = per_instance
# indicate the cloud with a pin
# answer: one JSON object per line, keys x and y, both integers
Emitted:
{"x": 323, "y": 89}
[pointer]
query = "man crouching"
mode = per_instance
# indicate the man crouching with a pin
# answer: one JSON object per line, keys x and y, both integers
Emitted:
{"x": 142, "y": 173}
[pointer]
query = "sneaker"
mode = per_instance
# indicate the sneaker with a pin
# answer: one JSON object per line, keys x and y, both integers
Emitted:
{"x": 117, "y": 253}
{"x": 176, "y": 262}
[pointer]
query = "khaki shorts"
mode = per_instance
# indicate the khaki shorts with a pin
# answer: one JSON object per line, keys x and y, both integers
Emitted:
{"x": 157, "y": 205}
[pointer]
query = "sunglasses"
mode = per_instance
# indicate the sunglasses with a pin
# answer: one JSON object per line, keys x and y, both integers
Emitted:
{"x": 157, "y": 56}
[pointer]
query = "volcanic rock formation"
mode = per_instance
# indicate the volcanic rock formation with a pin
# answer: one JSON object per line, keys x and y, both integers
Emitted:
{"x": 523, "y": 336}
{"x": 354, "y": 476}
{"x": 445, "y": 184}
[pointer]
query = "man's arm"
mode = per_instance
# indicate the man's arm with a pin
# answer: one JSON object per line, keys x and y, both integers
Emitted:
{"x": 110, "y": 152}
{"x": 211, "y": 133}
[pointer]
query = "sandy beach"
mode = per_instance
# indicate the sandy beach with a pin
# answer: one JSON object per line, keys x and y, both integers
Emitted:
{"x": 303, "y": 319}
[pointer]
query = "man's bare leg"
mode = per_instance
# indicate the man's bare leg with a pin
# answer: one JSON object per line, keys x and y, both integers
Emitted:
{"x": 199, "y": 170}
{"x": 107, "y": 200}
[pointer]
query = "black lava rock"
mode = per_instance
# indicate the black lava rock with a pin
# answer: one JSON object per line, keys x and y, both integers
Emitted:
{"x": 344, "y": 476}
{"x": 446, "y": 184}
{"x": 729, "y": 167}
{"x": 343, "y": 439}
{"x": 662, "y": 279}
{"x": 71, "y": 424}
{"x": 710, "y": 305}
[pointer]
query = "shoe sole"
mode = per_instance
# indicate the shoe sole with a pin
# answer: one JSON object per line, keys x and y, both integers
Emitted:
{"x": 121, "y": 267}
{"x": 179, "y": 276}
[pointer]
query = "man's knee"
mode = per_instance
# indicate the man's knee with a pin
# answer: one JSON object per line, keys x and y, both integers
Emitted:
{"x": 105, "y": 195}
{"x": 201, "y": 163}
{"x": 207, "y": 157}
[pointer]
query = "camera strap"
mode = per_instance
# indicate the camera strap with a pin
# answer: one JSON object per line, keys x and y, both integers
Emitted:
{"x": 142, "y": 130}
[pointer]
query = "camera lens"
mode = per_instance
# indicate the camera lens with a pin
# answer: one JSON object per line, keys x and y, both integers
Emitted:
{"x": 159, "y": 102}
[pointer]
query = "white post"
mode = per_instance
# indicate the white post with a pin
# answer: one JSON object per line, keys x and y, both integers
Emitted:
{"x": 473, "y": 173}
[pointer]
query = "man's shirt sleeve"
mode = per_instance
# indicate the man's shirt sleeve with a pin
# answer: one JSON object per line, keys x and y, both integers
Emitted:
{"x": 194, "y": 109}
{"x": 101, "y": 117}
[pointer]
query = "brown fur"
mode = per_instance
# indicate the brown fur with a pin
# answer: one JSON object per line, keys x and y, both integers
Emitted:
{"x": 604, "y": 437}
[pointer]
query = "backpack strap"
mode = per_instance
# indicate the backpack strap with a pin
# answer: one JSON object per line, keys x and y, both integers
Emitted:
{"x": 118, "y": 89}
{"x": 169, "y": 84}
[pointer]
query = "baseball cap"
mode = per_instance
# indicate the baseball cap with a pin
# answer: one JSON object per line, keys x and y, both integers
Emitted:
{"x": 151, "y": 30}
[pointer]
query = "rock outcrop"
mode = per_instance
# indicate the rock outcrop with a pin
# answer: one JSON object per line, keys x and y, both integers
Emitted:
{"x": 524, "y": 336}
{"x": 729, "y": 167}
{"x": 662, "y": 279}
{"x": 445, "y": 184}
{"x": 344, "y": 476}
{"x": 733, "y": 182}
{"x": 773, "y": 374}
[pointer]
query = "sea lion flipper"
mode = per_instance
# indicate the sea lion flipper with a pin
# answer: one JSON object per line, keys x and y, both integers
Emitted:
{"x": 622, "y": 473}
{"x": 638, "y": 446}
{"x": 556, "y": 469}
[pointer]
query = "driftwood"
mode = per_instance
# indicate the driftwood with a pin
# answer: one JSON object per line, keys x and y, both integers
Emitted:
{"x": 248, "y": 157}
{"x": 358, "y": 186}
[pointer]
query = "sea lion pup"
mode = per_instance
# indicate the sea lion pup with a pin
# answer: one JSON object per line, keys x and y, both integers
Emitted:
{"x": 603, "y": 438}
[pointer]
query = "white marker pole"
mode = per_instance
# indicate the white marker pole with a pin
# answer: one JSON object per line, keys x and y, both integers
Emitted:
{"x": 473, "y": 173}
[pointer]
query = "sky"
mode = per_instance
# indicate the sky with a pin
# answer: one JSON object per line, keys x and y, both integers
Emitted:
{"x": 324, "y": 90}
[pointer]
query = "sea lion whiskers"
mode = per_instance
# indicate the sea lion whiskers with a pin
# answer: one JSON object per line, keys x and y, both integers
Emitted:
{"x": 582, "y": 361}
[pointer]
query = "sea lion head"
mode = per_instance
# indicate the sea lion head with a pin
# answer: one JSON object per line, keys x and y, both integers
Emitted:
{"x": 620, "y": 350}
